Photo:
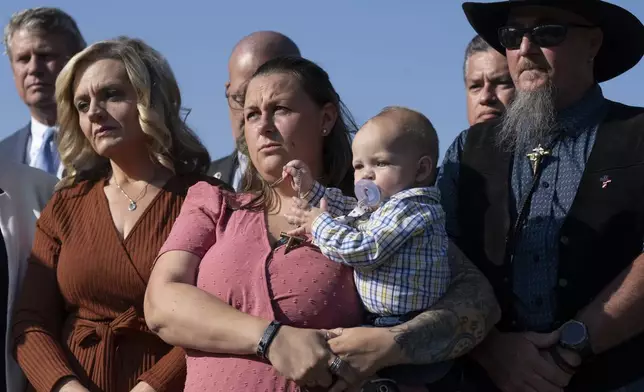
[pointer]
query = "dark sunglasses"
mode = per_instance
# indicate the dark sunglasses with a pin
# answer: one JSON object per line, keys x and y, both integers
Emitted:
{"x": 545, "y": 36}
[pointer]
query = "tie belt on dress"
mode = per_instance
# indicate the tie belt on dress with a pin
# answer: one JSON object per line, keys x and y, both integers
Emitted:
{"x": 103, "y": 335}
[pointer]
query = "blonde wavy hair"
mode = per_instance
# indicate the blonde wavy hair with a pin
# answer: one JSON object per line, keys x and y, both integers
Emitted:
{"x": 336, "y": 149}
{"x": 171, "y": 143}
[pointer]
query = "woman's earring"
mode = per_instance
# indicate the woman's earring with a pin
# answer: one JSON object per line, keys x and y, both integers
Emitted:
{"x": 324, "y": 132}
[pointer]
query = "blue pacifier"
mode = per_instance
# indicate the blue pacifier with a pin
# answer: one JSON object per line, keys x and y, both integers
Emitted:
{"x": 367, "y": 193}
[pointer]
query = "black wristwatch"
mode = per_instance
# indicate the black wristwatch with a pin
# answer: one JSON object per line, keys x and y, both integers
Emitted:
{"x": 574, "y": 337}
{"x": 269, "y": 334}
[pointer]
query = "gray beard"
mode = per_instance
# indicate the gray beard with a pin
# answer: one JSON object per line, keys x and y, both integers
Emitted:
{"x": 529, "y": 120}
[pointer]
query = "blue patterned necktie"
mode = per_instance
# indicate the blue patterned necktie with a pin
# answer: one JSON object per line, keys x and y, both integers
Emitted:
{"x": 47, "y": 158}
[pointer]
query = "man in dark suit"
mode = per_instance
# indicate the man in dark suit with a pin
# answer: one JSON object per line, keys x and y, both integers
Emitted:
{"x": 247, "y": 56}
{"x": 39, "y": 42}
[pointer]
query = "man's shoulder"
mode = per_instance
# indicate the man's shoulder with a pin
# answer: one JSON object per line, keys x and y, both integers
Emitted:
{"x": 618, "y": 111}
{"x": 480, "y": 134}
{"x": 11, "y": 140}
{"x": 26, "y": 173}
{"x": 224, "y": 163}
{"x": 621, "y": 137}
{"x": 19, "y": 177}
{"x": 483, "y": 128}
{"x": 38, "y": 178}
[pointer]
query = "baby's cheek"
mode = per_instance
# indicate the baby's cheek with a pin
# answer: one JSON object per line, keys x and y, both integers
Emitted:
{"x": 393, "y": 182}
{"x": 387, "y": 188}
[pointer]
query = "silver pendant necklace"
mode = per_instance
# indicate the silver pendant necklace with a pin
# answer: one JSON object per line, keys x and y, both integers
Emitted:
{"x": 133, "y": 204}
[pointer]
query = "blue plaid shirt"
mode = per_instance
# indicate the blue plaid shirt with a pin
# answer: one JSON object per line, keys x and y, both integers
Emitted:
{"x": 398, "y": 252}
{"x": 536, "y": 258}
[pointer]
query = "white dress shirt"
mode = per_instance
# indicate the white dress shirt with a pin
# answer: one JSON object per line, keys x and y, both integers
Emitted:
{"x": 242, "y": 163}
{"x": 36, "y": 140}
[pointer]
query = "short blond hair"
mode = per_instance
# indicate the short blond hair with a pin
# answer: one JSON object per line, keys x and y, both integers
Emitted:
{"x": 172, "y": 144}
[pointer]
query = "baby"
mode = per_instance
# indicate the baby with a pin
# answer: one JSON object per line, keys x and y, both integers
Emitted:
{"x": 397, "y": 243}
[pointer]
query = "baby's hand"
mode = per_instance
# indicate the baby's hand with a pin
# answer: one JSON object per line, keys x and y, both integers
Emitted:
{"x": 300, "y": 176}
{"x": 303, "y": 215}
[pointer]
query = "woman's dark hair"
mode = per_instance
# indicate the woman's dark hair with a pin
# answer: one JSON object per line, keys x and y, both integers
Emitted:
{"x": 336, "y": 149}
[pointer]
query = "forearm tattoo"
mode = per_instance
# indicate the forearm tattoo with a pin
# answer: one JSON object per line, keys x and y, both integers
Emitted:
{"x": 458, "y": 322}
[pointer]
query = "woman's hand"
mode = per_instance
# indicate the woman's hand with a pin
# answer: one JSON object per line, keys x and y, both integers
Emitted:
{"x": 366, "y": 350}
{"x": 70, "y": 384}
{"x": 142, "y": 386}
{"x": 302, "y": 355}
{"x": 300, "y": 176}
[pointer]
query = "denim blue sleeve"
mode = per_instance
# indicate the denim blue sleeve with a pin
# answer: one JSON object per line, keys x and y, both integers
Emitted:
{"x": 447, "y": 182}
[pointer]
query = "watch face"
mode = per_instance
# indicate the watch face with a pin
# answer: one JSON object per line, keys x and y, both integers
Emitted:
{"x": 573, "y": 333}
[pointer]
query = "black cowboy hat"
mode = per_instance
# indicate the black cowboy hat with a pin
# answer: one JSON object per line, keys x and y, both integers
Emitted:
{"x": 622, "y": 47}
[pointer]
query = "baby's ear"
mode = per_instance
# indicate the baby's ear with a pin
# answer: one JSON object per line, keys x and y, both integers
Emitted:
{"x": 425, "y": 171}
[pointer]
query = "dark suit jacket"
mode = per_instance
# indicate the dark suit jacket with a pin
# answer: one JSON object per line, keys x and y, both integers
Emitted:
{"x": 224, "y": 168}
{"x": 14, "y": 146}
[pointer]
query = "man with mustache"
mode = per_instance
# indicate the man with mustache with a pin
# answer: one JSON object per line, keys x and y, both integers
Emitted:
{"x": 38, "y": 42}
{"x": 548, "y": 201}
{"x": 247, "y": 56}
{"x": 488, "y": 84}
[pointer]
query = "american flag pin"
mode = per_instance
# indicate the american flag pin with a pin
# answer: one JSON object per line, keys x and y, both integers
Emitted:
{"x": 605, "y": 181}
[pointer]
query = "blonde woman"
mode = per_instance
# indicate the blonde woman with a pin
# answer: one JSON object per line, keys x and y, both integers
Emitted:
{"x": 129, "y": 160}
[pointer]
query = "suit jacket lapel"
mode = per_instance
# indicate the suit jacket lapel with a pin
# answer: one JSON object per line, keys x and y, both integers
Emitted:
{"x": 14, "y": 146}
{"x": 230, "y": 167}
{"x": 19, "y": 143}
{"x": 22, "y": 141}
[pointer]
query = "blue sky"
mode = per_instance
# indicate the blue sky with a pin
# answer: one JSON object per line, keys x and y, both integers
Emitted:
{"x": 378, "y": 53}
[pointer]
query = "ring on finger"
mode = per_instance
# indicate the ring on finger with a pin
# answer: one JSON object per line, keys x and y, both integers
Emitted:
{"x": 335, "y": 366}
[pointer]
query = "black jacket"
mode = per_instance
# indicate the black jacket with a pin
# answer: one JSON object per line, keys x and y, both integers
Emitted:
{"x": 601, "y": 236}
{"x": 224, "y": 168}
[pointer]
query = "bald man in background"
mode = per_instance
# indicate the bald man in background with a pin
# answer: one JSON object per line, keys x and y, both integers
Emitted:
{"x": 247, "y": 56}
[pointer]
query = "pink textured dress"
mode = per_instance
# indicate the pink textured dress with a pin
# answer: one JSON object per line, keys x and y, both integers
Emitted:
{"x": 300, "y": 289}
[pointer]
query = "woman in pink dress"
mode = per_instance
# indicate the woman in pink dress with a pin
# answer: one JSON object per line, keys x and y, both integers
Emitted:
{"x": 252, "y": 307}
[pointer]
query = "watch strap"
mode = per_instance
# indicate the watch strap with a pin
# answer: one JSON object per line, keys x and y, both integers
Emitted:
{"x": 560, "y": 361}
{"x": 586, "y": 352}
{"x": 269, "y": 334}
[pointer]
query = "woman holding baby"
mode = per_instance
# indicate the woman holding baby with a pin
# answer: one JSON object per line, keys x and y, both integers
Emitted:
{"x": 258, "y": 310}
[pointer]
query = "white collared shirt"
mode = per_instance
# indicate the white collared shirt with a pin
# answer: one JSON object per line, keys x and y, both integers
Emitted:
{"x": 36, "y": 140}
{"x": 242, "y": 163}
